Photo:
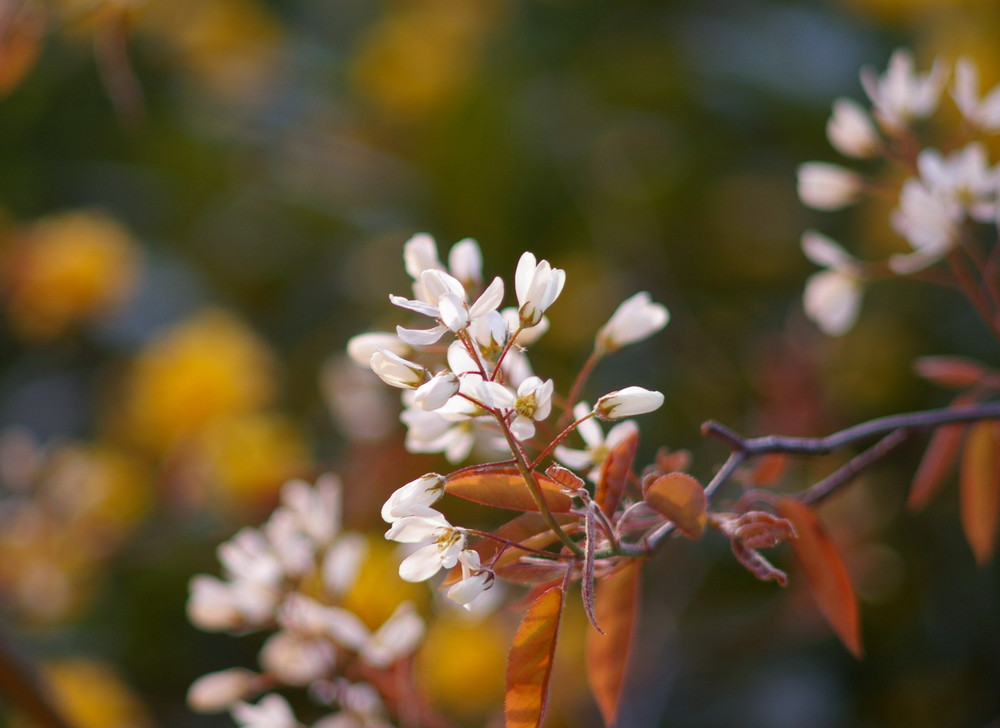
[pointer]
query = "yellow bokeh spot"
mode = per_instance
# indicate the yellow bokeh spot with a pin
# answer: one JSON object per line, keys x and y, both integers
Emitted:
{"x": 421, "y": 54}
{"x": 378, "y": 589}
{"x": 202, "y": 370}
{"x": 249, "y": 457}
{"x": 91, "y": 695}
{"x": 461, "y": 665}
{"x": 65, "y": 270}
{"x": 233, "y": 47}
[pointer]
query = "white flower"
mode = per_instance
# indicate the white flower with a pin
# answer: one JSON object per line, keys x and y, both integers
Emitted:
{"x": 440, "y": 544}
{"x": 533, "y": 401}
{"x": 218, "y": 691}
{"x": 342, "y": 562}
{"x": 396, "y": 371}
{"x": 430, "y": 432}
{"x": 398, "y": 637}
{"x": 475, "y": 580}
{"x": 597, "y": 446}
{"x": 423, "y": 492}
{"x": 537, "y": 285}
{"x": 832, "y": 297}
{"x": 851, "y": 131}
{"x": 433, "y": 393}
{"x": 900, "y": 95}
{"x": 293, "y": 549}
{"x": 964, "y": 176}
{"x": 824, "y": 186}
{"x": 635, "y": 319}
{"x": 271, "y": 711}
{"x": 361, "y": 347}
{"x": 528, "y": 336}
{"x": 928, "y": 221}
{"x": 317, "y": 508}
{"x": 248, "y": 556}
{"x": 297, "y": 659}
{"x": 627, "y": 402}
{"x": 211, "y": 605}
{"x": 984, "y": 112}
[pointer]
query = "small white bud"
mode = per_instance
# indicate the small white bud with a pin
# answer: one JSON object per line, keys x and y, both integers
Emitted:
{"x": 423, "y": 492}
{"x": 627, "y": 402}
{"x": 851, "y": 130}
{"x": 396, "y": 371}
{"x": 218, "y": 691}
{"x": 828, "y": 186}
{"x": 635, "y": 319}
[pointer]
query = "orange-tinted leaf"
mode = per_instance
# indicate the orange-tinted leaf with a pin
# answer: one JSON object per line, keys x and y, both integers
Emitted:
{"x": 825, "y": 572}
{"x": 981, "y": 488}
{"x": 565, "y": 477}
{"x": 950, "y": 371}
{"x": 615, "y": 472}
{"x": 938, "y": 459}
{"x": 533, "y": 572}
{"x": 670, "y": 462}
{"x": 769, "y": 468}
{"x": 20, "y": 45}
{"x": 616, "y": 607}
{"x": 680, "y": 498}
{"x": 505, "y": 488}
{"x": 529, "y": 663}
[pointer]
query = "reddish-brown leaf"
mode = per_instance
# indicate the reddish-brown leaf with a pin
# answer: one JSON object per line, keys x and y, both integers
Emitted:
{"x": 614, "y": 474}
{"x": 505, "y": 488}
{"x": 769, "y": 468}
{"x": 951, "y": 371}
{"x": 981, "y": 488}
{"x": 825, "y": 573}
{"x": 936, "y": 463}
{"x": 20, "y": 45}
{"x": 529, "y": 663}
{"x": 565, "y": 477}
{"x": 680, "y": 498}
{"x": 616, "y": 606}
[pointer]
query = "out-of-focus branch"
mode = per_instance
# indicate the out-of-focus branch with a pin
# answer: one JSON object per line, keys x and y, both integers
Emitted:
{"x": 22, "y": 687}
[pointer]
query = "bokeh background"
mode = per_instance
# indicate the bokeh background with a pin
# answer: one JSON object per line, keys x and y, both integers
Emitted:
{"x": 201, "y": 200}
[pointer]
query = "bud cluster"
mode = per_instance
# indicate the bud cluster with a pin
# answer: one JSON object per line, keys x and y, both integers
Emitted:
{"x": 947, "y": 195}
{"x": 289, "y": 577}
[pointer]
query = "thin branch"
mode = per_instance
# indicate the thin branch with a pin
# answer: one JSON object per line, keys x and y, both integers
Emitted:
{"x": 854, "y": 466}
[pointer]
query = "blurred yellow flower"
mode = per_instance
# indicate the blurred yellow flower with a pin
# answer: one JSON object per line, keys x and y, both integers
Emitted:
{"x": 91, "y": 695}
{"x": 420, "y": 55}
{"x": 378, "y": 589}
{"x": 66, "y": 270}
{"x": 57, "y": 533}
{"x": 249, "y": 457}
{"x": 461, "y": 665}
{"x": 202, "y": 370}
{"x": 232, "y": 47}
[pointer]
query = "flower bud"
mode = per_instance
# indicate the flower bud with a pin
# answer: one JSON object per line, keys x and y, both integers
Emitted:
{"x": 851, "y": 131}
{"x": 634, "y": 320}
{"x": 217, "y": 691}
{"x": 828, "y": 186}
{"x": 424, "y": 491}
{"x": 627, "y": 402}
{"x": 433, "y": 393}
{"x": 396, "y": 371}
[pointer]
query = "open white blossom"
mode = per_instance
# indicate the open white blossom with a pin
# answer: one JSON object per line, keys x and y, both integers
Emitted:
{"x": 832, "y": 297}
{"x": 901, "y": 95}
{"x": 597, "y": 445}
{"x": 929, "y": 222}
{"x": 635, "y": 319}
{"x": 965, "y": 177}
{"x": 361, "y": 347}
{"x": 538, "y": 285}
{"x": 983, "y": 113}
{"x": 271, "y": 711}
{"x": 439, "y": 544}
{"x": 397, "y": 638}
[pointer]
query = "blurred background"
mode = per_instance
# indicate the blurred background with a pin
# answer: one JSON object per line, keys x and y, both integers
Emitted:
{"x": 201, "y": 200}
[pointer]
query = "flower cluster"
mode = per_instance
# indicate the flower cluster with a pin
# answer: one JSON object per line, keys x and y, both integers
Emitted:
{"x": 947, "y": 192}
{"x": 289, "y": 577}
{"x": 482, "y": 393}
